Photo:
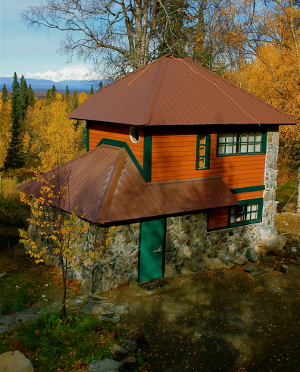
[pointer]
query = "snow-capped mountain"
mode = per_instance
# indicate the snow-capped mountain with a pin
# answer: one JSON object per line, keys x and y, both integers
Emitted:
{"x": 76, "y": 72}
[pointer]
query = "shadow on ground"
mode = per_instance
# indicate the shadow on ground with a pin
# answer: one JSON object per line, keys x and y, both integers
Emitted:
{"x": 219, "y": 321}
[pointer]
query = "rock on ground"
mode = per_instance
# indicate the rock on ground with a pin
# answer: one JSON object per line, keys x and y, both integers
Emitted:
{"x": 105, "y": 365}
{"x": 14, "y": 361}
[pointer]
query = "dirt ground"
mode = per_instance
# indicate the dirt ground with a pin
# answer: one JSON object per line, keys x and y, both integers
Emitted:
{"x": 224, "y": 320}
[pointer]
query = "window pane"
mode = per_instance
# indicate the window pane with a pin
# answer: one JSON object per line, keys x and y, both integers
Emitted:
{"x": 244, "y": 148}
{"x": 244, "y": 137}
{"x": 222, "y": 149}
{"x": 251, "y": 137}
{"x": 251, "y": 147}
{"x": 258, "y": 147}
{"x": 222, "y": 138}
{"x": 202, "y": 139}
{"x": 201, "y": 163}
{"x": 229, "y": 149}
{"x": 254, "y": 215}
{"x": 230, "y": 138}
{"x": 258, "y": 137}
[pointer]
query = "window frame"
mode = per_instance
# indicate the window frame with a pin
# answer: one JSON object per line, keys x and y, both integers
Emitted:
{"x": 239, "y": 143}
{"x": 206, "y": 147}
{"x": 245, "y": 203}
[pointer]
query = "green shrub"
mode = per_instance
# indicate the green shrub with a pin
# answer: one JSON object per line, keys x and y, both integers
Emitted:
{"x": 52, "y": 344}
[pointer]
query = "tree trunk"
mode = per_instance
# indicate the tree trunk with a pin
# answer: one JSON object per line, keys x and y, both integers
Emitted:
{"x": 64, "y": 278}
{"x": 298, "y": 186}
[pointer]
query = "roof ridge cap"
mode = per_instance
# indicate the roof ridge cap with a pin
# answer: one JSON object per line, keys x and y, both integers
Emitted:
{"x": 156, "y": 86}
{"x": 111, "y": 185}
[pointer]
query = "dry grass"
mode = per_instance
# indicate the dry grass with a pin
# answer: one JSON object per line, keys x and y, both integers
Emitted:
{"x": 8, "y": 190}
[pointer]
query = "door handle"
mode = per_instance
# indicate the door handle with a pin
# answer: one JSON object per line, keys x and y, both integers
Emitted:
{"x": 158, "y": 250}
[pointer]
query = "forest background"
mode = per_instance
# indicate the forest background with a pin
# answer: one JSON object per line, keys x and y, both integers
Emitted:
{"x": 254, "y": 44}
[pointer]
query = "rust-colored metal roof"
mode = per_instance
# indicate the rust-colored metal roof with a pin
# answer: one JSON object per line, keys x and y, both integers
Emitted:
{"x": 105, "y": 187}
{"x": 172, "y": 91}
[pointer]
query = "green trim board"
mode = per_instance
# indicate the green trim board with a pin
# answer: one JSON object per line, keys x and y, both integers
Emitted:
{"x": 107, "y": 141}
{"x": 240, "y": 190}
{"x": 87, "y": 138}
{"x": 247, "y": 212}
{"x": 147, "y": 161}
{"x": 203, "y": 151}
{"x": 241, "y": 143}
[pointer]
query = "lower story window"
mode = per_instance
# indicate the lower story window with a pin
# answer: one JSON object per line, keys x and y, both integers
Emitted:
{"x": 247, "y": 212}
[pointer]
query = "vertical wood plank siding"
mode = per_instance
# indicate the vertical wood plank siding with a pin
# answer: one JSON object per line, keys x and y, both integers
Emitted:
{"x": 98, "y": 131}
{"x": 174, "y": 158}
{"x": 218, "y": 218}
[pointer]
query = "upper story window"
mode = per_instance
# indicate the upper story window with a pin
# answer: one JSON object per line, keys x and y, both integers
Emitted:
{"x": 241, "y": 143}
{"x": 203, "y": 151}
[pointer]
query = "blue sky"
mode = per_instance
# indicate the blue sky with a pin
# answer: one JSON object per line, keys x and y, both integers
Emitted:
{"x": 24, "y": 49}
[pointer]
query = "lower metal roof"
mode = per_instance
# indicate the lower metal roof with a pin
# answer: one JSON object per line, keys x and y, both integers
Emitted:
{"x": 104, "y": 186}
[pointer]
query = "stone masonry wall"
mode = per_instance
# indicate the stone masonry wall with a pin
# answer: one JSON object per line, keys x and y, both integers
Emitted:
{"x": 117, "y": 255}
{"x": 118, "y": 261}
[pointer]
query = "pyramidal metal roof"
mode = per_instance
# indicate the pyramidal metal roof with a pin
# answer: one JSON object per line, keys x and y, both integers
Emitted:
{"x": 173, "y": 91}
{"x": 104, "y": 186}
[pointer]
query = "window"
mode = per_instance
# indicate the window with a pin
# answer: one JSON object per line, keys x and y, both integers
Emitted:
{"x": 241, "y": 143}
{"x": 134, "y": 134}
{"x": 203, "y": 151}
{"x": 249, "y": 211}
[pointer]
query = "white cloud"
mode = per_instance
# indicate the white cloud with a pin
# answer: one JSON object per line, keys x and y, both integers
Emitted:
{"x": 75, "y": 72}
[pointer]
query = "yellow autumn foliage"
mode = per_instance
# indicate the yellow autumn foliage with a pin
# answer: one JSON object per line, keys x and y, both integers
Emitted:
{"x": 5, "y": 128}
{"x": 51, "y": 137}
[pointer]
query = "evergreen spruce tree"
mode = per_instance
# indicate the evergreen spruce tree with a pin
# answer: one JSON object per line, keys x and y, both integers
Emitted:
{"x": 75, "y": 103}
{"x": 67, "y": 95}
{"x": 100, "y": 84}
{"x": 31, "y": 99}
{"x": 15, "y": 155}
{"x": 4, "y": 96}
{"x": 23, "y": 98}
{"x": 172, "y": 15}
{"x": 51, "y": 95}
{"x": 91, "y": 90}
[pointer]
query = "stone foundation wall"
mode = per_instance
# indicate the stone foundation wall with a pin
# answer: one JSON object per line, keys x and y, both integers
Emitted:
{"x": 118, "y": 261}
{"x": 116, "y": 251}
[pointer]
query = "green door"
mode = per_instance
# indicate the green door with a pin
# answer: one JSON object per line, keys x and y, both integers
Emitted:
{"x": 152, "y": 250}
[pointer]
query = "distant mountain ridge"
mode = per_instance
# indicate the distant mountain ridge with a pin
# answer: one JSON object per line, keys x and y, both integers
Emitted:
{"x": 44, "y": 85}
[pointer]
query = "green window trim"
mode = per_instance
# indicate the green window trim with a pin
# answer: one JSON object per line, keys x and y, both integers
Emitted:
{"x": 203, "y": 151}
{"x": 247, "y": 212}
{"x": 241, "y": 143}
{"x": 147, "y": 160}
{"x": 87, "y": 138}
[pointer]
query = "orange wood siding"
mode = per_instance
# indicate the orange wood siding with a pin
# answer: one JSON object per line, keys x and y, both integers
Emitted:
{"x": 98, "y": 131}
{"x": 249, "y": 195}
{"x": 218, "y": 218}
{"x": 174, "y": 157}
